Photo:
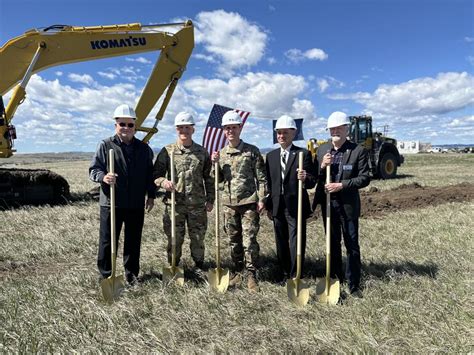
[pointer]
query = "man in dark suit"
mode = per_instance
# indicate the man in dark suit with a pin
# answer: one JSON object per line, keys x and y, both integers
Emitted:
{"x": 349, "y": 173}
{"x": 282, "y": 201}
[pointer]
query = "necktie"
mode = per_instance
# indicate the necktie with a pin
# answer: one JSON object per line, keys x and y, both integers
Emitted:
{"x": 283, "y": 168}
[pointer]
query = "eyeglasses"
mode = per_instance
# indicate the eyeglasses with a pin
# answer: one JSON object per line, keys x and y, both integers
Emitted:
{"x": 231, "y": 128}
{"x": 123, "y": 124}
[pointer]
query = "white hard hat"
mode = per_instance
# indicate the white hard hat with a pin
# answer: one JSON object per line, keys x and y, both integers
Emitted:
{"x": 285, "y": 122}
{"x": 183, "y": 119}
{"x": 125, "y": 111}
{"x": 231, "y": 117}
{"x": 337, "y": 119}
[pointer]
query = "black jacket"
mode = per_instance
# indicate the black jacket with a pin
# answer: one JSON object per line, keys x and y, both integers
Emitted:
{"x": 354, "y": 176}
{"x": 290, "y": 181}
{"x": 134, "y": 178}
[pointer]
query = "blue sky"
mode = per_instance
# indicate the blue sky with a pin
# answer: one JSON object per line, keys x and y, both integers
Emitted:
{"x": 407, "y": 63}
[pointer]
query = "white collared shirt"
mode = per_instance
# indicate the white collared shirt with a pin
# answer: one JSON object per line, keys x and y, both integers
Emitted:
{"x": 287, "y": 150}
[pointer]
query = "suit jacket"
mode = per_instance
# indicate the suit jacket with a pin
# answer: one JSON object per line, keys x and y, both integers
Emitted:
{"x": 354, "y": 176}
{"x": 290, "y": 181}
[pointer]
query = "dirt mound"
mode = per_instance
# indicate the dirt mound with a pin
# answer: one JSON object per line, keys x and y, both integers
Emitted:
{"x": 408, "y": 196}
{"x": 31, "y": 186}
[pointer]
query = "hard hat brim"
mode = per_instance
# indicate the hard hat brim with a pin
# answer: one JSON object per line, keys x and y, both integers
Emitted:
{"x": 117, "y": 117}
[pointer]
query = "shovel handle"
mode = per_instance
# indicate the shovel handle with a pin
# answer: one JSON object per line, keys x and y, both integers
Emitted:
{"x": 299, "y": 219}
{"x": 328, "y": 229}
{"x": 112, "y": 213}
{"x": 173, "y": 213}
{"x": 216, "y": 206}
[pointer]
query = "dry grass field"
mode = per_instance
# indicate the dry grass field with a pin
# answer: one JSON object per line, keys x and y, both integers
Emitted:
{"x": 417, "y": 279}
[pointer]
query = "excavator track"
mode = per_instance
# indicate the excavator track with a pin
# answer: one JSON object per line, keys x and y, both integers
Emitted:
{"x": 32, "y": 187}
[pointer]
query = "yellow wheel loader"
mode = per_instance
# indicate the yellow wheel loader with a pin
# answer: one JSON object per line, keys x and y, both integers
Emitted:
{"x": 38, "y": 49}
{"x": 384, "y": 158}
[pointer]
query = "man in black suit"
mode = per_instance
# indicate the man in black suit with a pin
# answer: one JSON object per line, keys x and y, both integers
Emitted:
{"x": 282, "y": 201}
{"x": 349, "y": 173}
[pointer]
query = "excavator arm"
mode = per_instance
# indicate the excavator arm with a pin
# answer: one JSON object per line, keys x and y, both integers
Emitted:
{"x": 36, "y": 50}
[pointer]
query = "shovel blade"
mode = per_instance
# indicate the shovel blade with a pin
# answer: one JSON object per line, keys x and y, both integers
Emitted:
{"x": 175, "y": 274}
{"x": 298, "y": 292}
{"x": 218, "y": 279}
{"x": 112, "y": 288}
{"x": 331, "y": 295}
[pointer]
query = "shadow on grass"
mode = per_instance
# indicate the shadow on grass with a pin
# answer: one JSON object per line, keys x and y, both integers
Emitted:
{"x": 389, "y": 270}
{"x": 150, "y": 276}
{"x": 316, "y": 268}
{"x": 402, "y": 176}
{"x": 190, "y": 274}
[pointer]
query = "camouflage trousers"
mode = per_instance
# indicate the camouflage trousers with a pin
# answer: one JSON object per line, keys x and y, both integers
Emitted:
{"x": 241, "y": 223}
{"x": 195, "y": 217}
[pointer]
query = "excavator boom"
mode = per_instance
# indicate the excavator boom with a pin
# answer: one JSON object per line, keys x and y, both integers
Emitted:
{"x": 38, "y": 49}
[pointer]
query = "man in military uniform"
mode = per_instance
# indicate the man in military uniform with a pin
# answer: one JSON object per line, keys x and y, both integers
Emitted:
{"x": 242, "y": 172}
{"x": 194, "y": 189}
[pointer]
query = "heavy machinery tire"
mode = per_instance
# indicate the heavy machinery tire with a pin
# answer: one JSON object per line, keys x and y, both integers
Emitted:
{"x": 388, "y": 166}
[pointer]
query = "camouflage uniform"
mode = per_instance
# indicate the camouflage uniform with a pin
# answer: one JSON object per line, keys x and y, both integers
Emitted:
{"x": 242, "y": 172}
{"x": 194, "y": 187}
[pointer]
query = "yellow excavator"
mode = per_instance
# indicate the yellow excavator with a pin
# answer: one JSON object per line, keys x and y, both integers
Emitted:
{"x": 38, "y": 49}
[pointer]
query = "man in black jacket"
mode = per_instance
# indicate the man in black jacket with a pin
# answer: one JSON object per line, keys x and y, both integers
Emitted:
{"x": 349, "y": 173}
{"x": 133, "y": 179}
{"x": 282, "y": 201}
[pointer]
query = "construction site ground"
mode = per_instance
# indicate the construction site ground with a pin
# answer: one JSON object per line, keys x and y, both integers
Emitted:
{"x": 376, "y": 203}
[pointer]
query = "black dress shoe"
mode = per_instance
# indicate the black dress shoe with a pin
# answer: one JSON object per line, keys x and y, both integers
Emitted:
{"x": 356, "y": 293}
{"x": 132, "y": 280}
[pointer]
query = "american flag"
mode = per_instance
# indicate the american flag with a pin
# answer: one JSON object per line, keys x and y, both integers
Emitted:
{"x": 214, "y": 139}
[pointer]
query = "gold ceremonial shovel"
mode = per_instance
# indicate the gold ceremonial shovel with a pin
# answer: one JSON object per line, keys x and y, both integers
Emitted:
{"x": 173, "y": 273}
{"x": 218, "y": 278}
{"x": 297, "y": 290}
{"x": 113, "y": 286}
{"x": 328, "y": 290}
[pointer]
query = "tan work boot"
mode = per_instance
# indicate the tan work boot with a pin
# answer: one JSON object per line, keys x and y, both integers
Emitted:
{"x": 235, "y": 279}
{"x": 252, "y": 283}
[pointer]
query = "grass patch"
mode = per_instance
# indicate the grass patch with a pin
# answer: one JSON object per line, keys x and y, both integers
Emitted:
{"x": 417, "y": 278}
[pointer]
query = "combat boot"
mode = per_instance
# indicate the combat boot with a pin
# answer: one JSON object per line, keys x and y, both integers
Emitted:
{"x": 235, "y": 279}
{"x": 252, "y": 283}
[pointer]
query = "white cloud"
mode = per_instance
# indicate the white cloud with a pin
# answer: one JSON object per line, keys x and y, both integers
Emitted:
{"x": 469, "y": 39}
{"x": 58, "y": 73}
{"x": 470, "y": 59}
{"x": 110, "y": 76}
{"x": 234, "y": 41}
{"x": 264, "y": 94}
{"x": 80, "y": 117}
{"x": 129, "y": 73}
{"x": 423, "y": 96}
{"x": 206, "y": 58}
{"x": 316, "y": 54}
{"x": 271, "y": 60}
{"x": 78, "y": 78}
{"x": 297, "y": 55}
{"x": 328, "y": 81}
{"x": 58, "y": 117}
{"x": 429, "y": 108}
{"x": 322, "y": 84}
{"x": 466, "y": 122}
{"x": 141, "y": 60}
